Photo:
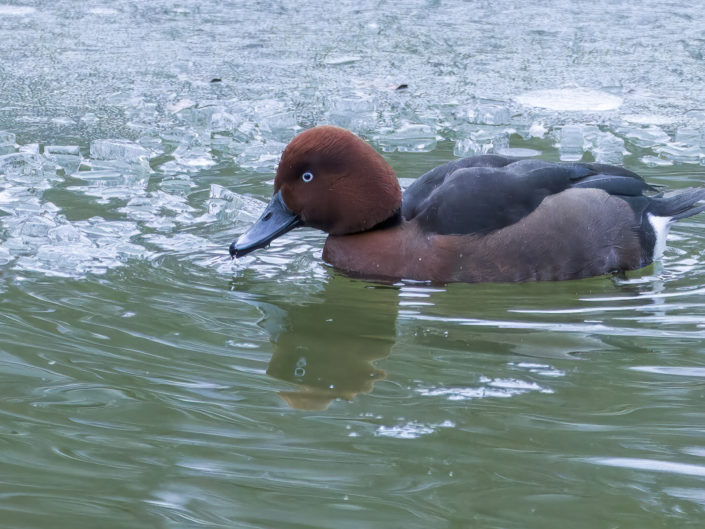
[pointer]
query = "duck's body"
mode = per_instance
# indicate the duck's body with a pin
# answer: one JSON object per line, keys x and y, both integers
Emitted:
{"x": 485, "y": 218}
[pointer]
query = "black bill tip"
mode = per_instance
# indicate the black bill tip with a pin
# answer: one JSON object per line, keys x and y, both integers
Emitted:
{"x": 276, "y": 220}
{"x": 234, "y": 252}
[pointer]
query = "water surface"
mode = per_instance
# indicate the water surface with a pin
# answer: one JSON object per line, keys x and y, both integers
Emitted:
{"x": 149, "y": 381}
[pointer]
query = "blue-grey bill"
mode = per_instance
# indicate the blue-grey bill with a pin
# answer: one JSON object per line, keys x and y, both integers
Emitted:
{"x": 276, "y": 220}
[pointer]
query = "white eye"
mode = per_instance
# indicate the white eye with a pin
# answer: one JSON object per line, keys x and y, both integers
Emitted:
{"x": 307, "y": 176}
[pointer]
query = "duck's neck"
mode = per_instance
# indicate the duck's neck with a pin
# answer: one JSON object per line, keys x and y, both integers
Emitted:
{"x": 394, "y": 220}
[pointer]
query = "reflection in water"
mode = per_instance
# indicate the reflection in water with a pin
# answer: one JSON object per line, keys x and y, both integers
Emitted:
{"x": 326, "y": 341}
{"x": 327, "y": 344}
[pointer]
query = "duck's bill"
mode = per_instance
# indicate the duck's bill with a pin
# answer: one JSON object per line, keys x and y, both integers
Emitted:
{"x": 276, "y": 220}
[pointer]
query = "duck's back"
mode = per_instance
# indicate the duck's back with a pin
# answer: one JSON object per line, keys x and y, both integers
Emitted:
{"x": 495, "y": 218}
{"x": 481, "y": 194}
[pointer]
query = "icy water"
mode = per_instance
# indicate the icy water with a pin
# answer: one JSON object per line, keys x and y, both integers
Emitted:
{"x": 146, "y": 380}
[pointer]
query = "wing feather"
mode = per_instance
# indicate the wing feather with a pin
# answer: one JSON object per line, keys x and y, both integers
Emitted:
{"x": 485, "y": 193}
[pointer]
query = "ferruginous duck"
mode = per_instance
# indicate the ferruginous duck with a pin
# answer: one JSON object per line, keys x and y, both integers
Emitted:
{"x": 484, "y": 218}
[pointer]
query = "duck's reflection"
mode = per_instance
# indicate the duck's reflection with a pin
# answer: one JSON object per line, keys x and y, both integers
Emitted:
{"x": 327, "y": 344}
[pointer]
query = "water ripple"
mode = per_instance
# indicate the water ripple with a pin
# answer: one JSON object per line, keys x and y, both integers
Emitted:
{"x": 669, "y": 467}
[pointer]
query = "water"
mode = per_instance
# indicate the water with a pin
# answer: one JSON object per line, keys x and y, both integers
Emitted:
{"x": 149, "y": 381}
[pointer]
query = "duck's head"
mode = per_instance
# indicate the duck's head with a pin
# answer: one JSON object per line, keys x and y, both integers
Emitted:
{"x": 329, "y": 179}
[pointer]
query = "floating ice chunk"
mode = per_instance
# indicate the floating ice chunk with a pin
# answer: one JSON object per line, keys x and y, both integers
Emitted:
{"x": 104, "y": 232}
{"x": 222, "y": 143}
{"x": 7, "y": 142}
{"x": 5, "y": 256}
{"x": 108, "y": 175}
{"x": 67, "y": 157}
{"x": 339, "y": 60}
{"x": 281, "y": 125}
{"x": 177, "y": 184}
{"x": 353, "y": 112}
{"x": 68, "y": 150}
{"x": 150, "y": 209}
{"x": 609, "y": 148}
{"x": 36, "y": 226}
{"x": 32, "y": 148}
{"x": 123, "y": 150}
{"x": 648, "y": 119}
{"x": 10, "y": 10}
{"x": 46, "y": 243}
{"x": 89, "y": 118}
{"x": 17, "y": 200}
{"x": 62, "y": 121}
{"x": 570, "y": 99}
{"x": 103, "y": 11}
{"x": 77, "y": 260}
{"x": 260, "y": 157}
{"x": 409, "y": 137}
{"x": 175, "y": 203}
{"x": 495, "y": 138}
{"x": 690, "y": 136}
{"x": 645, "y": 136}
{"x": 537, "y": 130}
{"x": 7, "y": 137}
{"x": 590, "y": 135}
{"x": 26, "y": 231}
{"x": 469, "y": 147}
{"x": 27, "y": 169}
{"x": 111, "y": 183}
{"x": 151, "y": 141}
{"x": 276, "y": 119}
{"x": 681, "y": 152}
{"x": 352, "y": 104}
{"x": 571, "y": 143}
{"x": 180, "y": 243}
{"x": 518, "y": 152}
{"x": 246, "y": 132}
{"x": 33, "y": 119}
{"x": 173, "y": 135}
{"x": 218, "y": 192}
{"x": 222, "y": 121}
{"x": 199, "y": 117}
{"x": 18, "y": 163}
{"x": 193, "y": 153}
{"x": 180, "y": 105}
{"x": 482, "y": 141}
{"x": 139, "y": 208}
{"x": 489, "y": 114}
{"x": 65, "y": 234}
{"x": 230, "y": 207}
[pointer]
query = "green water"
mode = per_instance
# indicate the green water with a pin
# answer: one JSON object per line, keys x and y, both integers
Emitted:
{"x": 148, "y": 381}
{"x": 164, "y": 394}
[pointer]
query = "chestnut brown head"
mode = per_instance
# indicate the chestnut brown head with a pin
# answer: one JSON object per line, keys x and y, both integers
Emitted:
{"x": 336, "y": 182}
{"x": 329, "y": 179}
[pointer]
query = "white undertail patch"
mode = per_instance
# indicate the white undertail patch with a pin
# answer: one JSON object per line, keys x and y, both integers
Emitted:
{"x": 661, "y": 226}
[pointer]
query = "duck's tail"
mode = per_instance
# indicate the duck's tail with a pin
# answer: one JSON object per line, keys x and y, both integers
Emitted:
{"x": 678, "y": 205}
{"x": 667, "y": 208}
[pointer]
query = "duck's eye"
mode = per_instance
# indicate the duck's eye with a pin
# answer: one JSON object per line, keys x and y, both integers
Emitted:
{"x": 307, "y": 176}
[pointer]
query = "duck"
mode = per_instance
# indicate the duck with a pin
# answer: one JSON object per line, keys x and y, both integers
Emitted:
{"x": 486, "y": 218}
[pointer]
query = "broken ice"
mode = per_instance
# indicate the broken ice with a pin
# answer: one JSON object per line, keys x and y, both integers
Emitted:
{"x": 571, "y": 144}
{"x": 123, "y": 150}
{"x": 7, "y": 142}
